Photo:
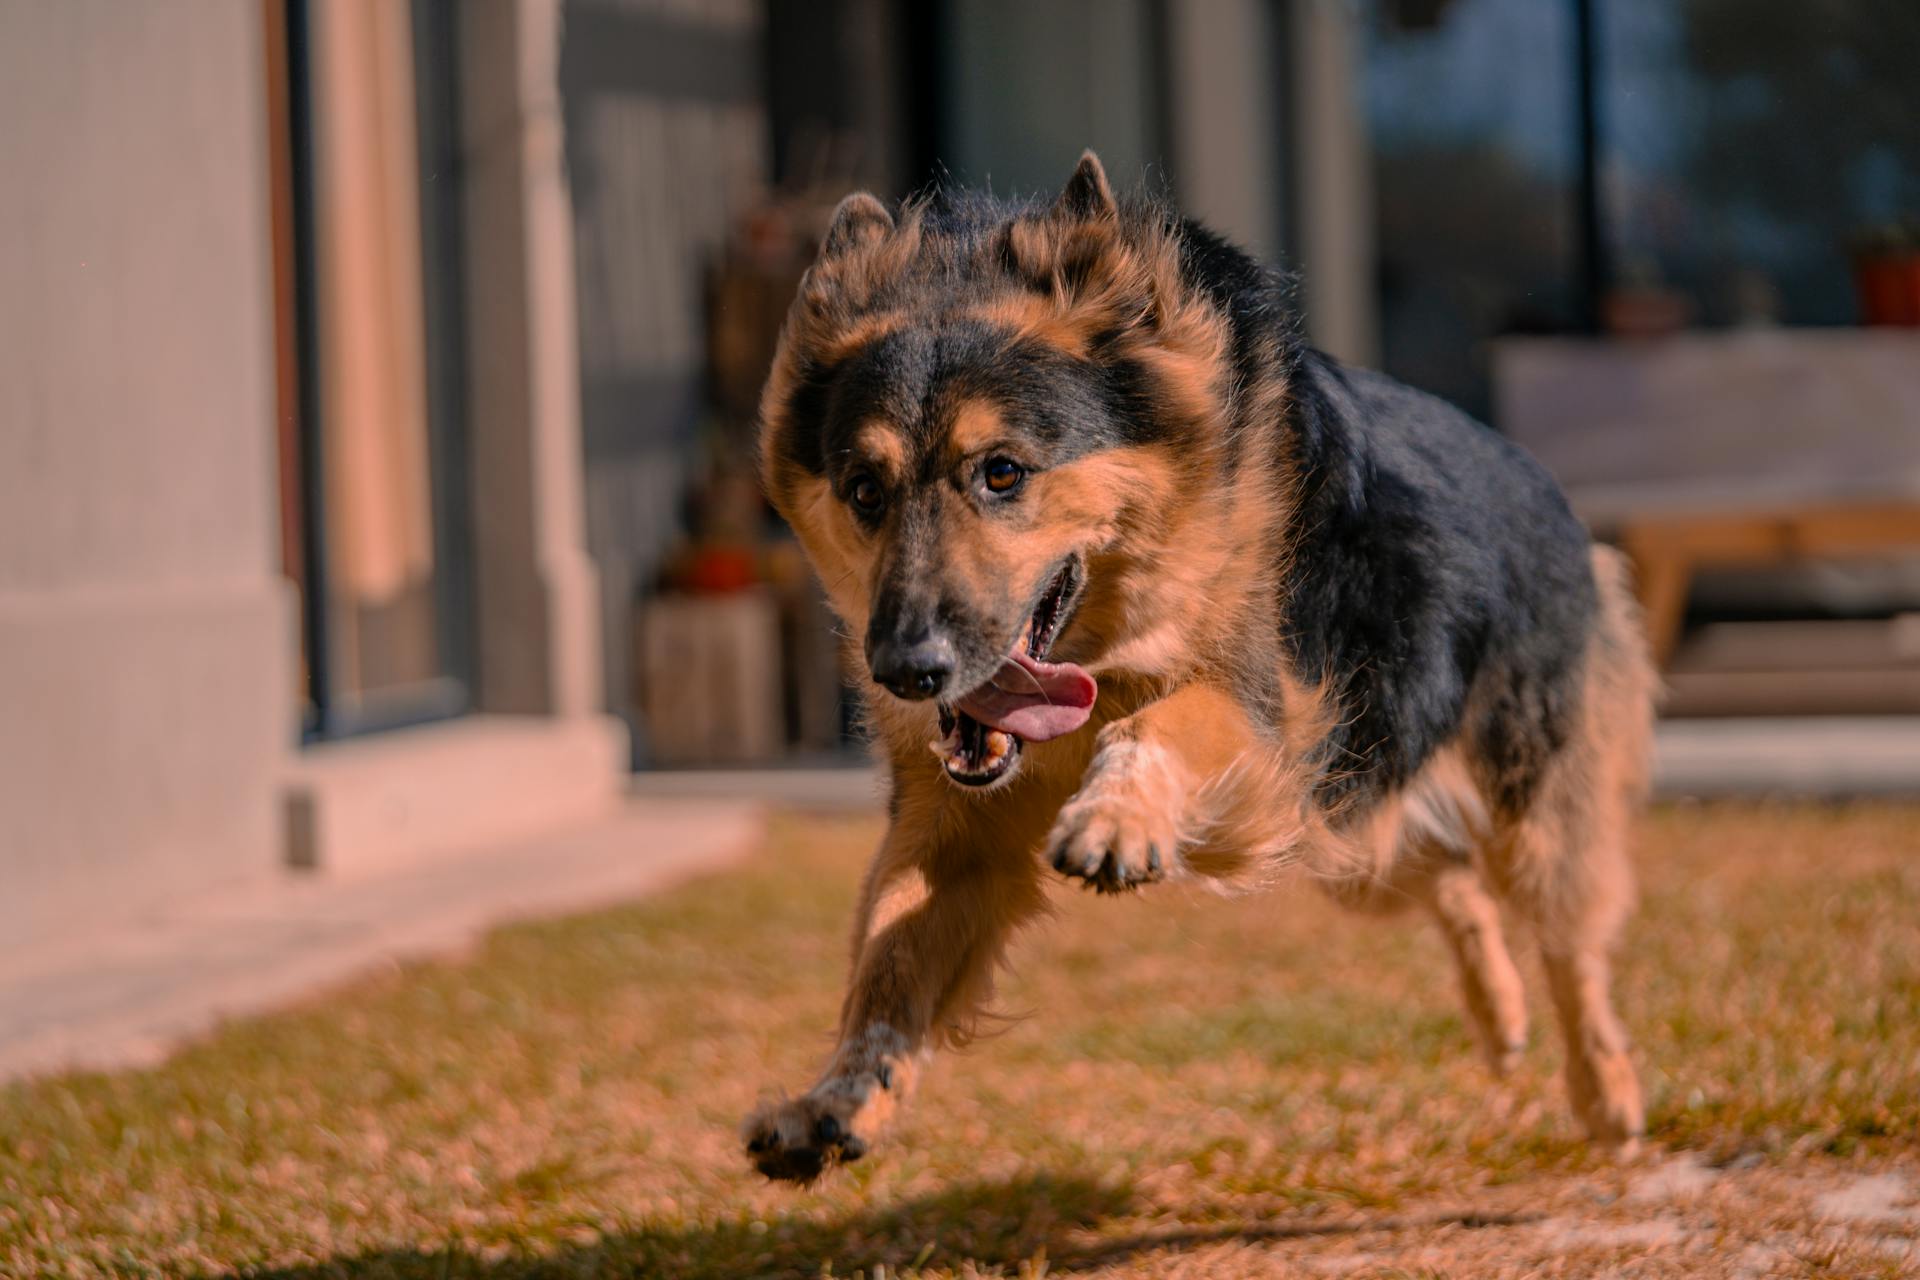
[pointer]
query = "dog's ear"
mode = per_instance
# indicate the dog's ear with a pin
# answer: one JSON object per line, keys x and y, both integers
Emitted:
{"x": 860, "y": 220}
{"x": 1087, "y": 195}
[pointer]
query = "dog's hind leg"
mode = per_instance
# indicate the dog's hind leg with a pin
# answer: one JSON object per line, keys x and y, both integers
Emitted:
{"x": 1452, "y": 890}
{"x": 1470, "y": 919}
{"x": 1600, "y": 1075}
{"x": 1564, "y": 862}
{"x": 1425, "y": 845}
{"x": 1566, "y": 869}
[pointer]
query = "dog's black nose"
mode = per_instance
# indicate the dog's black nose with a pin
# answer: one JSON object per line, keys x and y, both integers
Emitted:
{"x": 919, "y": 669}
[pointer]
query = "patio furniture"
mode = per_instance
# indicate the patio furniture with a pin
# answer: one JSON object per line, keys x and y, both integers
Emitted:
{"x": 1707, "y": 450}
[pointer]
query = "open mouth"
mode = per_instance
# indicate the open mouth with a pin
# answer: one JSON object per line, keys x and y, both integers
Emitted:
{"x": 1027, "y": 699}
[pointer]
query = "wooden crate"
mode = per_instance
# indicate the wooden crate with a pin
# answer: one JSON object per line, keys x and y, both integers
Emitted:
{"x": 710, "y": 679}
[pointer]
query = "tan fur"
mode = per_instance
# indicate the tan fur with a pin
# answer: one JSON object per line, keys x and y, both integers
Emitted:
{"x": 1171, "y": 778}
{"x": 1036, "y": 319}
{"x": 1470, "y": 919}
{"x": 835, "y": 347}
{"x": 977, "y": 427}
{"x": 883, "y": 449}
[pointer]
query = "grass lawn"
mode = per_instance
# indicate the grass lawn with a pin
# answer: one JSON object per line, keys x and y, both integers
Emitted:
{"x": 1264, "y": 1086}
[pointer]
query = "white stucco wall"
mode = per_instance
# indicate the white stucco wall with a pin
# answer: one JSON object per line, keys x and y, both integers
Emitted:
{"x": 146, "y": 638}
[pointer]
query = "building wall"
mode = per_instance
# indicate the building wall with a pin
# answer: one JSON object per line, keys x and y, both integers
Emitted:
{"x": 146, "y": 689}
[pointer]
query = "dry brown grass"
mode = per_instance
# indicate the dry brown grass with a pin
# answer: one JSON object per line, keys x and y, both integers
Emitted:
{"x": 1202, "y": 1087}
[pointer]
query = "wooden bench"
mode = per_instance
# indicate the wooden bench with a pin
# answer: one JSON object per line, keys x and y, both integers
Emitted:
{"x": 1708, "y": 450}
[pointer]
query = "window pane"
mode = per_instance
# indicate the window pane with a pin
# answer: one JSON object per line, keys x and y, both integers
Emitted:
{"x": 1471, "y": 110}
{"x": 385, "y": 576}
{"x": 1034, "y": 85}
{"x": 1746, "y": 142}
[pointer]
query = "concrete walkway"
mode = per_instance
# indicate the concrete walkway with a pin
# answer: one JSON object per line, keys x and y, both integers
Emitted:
{"x": 1834, "y": 757}
{"x": 852, "y": 787}
{"x": 135, "y": 989}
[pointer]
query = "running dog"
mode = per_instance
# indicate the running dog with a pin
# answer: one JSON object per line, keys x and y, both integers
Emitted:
{"x": 1174, "y": 597}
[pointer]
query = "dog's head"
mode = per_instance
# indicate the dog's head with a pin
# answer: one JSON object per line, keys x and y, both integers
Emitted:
{"x": 972, "y": 407}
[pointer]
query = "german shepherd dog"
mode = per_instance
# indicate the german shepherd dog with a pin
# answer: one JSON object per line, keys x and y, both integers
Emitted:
{"x": 1174, "y": 597}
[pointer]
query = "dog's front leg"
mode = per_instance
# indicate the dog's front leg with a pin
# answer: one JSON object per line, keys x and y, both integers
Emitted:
{"x": 1136, "y": 805}
{"x": 917, "y": 980}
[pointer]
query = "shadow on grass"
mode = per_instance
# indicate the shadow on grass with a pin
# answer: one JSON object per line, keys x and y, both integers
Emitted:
{"x": 996, "y": 1225}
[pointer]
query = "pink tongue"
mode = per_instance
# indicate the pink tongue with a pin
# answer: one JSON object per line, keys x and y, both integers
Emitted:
{"x": 1033, "y": 700}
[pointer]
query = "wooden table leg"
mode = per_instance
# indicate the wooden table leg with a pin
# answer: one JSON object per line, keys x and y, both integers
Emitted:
{"x": 1661, "y": 576}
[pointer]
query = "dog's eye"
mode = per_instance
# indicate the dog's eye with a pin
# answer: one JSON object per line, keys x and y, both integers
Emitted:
{"x": 1004, "y": 474}
{"x": 866, "y": 496}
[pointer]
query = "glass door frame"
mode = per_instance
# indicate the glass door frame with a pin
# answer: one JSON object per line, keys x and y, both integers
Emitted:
{"x": 325, "y": 715}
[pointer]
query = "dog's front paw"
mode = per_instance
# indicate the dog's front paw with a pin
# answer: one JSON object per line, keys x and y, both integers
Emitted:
{"x": 1121, "y": 830}
{"x": 798, "y": 1139}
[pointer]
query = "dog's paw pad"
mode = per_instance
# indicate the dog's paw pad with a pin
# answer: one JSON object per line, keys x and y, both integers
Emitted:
{"x": 1109, "y": 869}
{"x": 1120, "y": 830}
{"x": 1111, "y": 849}
{"x": 798, "y": 1139}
